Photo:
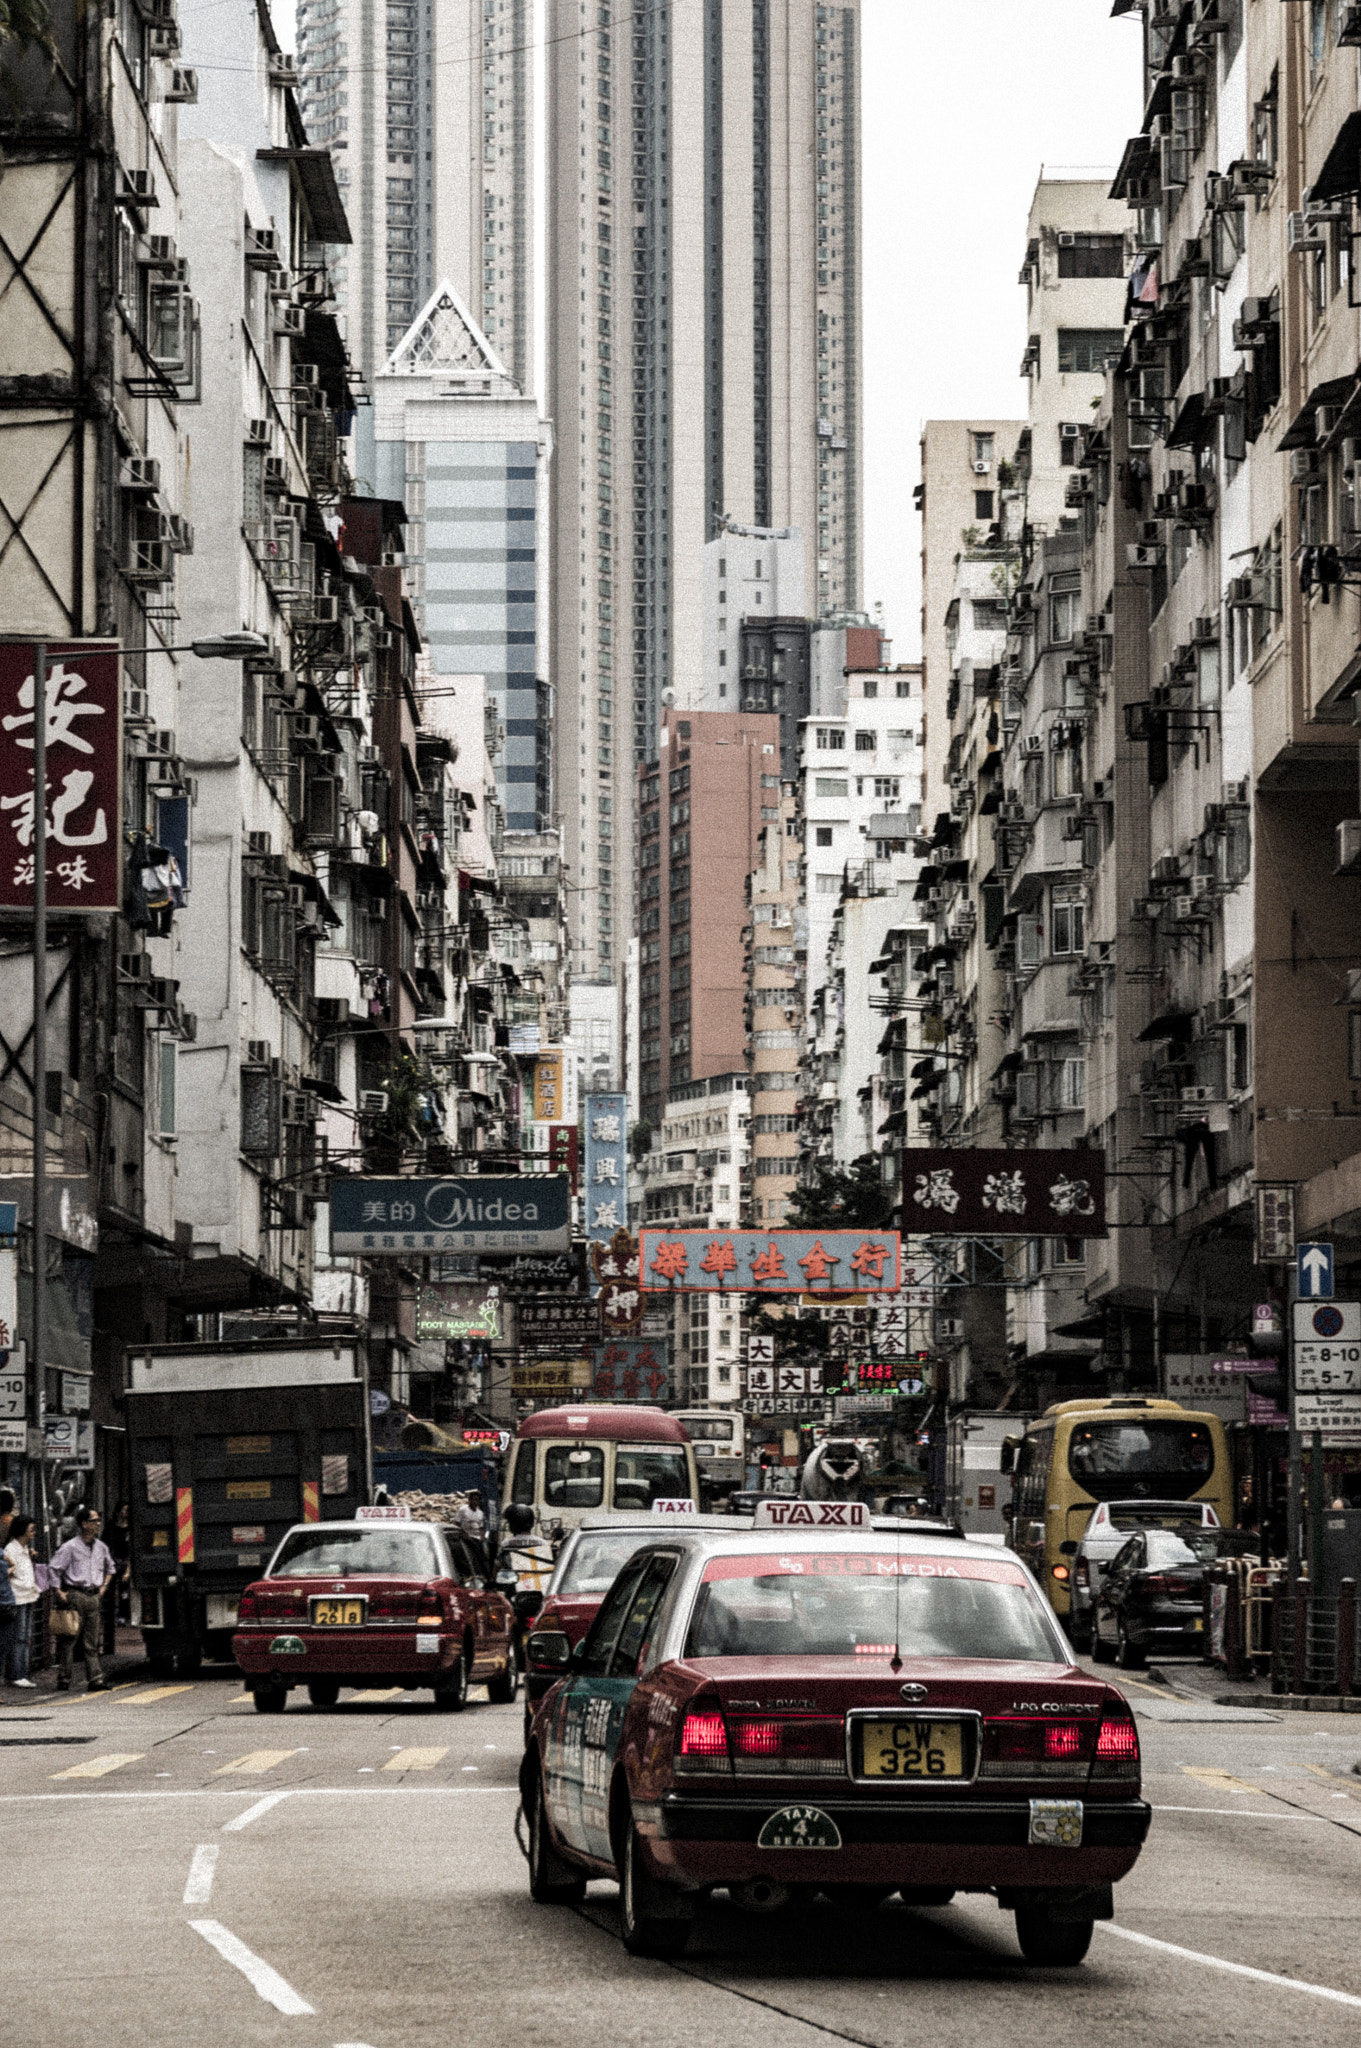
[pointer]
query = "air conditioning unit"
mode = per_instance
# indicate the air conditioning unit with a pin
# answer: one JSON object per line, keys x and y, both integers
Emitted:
{"x": 140, "y": 473}
{"x": 1011, "y": 814}
{"x": 283, "y": 69}
{"x": 262, "y": 248}
{"x": 182, "y": 90}
{"x": 163, "y": 42}
{"x": 1326, "y": 419}
{"x": 1218, "y": 393}
{"x": 1303, "y": 235}
{"x": 1349, "y": 847}
{"x": 1349, "y": 27}
{"x": 1184, "y": 909}
{"x": 326, "y": 611}
{"x": 950, "y": 1328}
{"x": 135, "y": 966}
{"x": 290, "y": 320}
{"x": 1242, "y": 590}
{"x": 1235, "y": 794}
{"x": 1145, "y": 555}
{"x": 257, "y": 1052}
{"x": 982, "y": 469}
{"x": 1204, "y": 630}
{"x": 135, "y": 189}
{"x": 1351, "y": 456}
{"x": 275, "y": 473}
{"x": 136, "y": 708}
{"x": 332, "y": 1011}
{"x": 373, "y": 1102}
{"x": 1196, "y": 1097}
{"x": 1303, "y": 465}
{"x": 257, "y": 433}
{"x": 181, "y": 534}
{"x": 300, "y": 1106}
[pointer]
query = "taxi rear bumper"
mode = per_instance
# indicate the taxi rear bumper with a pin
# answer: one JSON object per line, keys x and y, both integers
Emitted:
{"x": 984, "y": 1843}
{"x": 345, "y": 1653}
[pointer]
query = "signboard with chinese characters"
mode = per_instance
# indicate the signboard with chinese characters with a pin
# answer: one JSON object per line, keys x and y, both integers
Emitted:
{"x": 556, "y": 1147}
{"x": 548, "y": 1084}
{"x": 1190, "y": 1377}
{"x": 784, "y": 1379}
{"x": 1274, "y": 1217}
{"x": 556, "y": 1322}
{"x": 547, "y": 1378}
{"x": 83, "y": 796}
{"x": 532, "y": 1273}
{"x": 766, "y": 1261}
{"x": 614, "y": 1268}
{"x": 1004, "y": 1193}
{"x": 605, "y": 1190}
{"x": 385, "y": 1218}
{"x": 459, "y": 1312}
{"x": 630, "y": 1371}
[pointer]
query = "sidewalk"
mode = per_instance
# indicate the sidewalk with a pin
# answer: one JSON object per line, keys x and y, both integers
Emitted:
{"x": 127, "y": 1661}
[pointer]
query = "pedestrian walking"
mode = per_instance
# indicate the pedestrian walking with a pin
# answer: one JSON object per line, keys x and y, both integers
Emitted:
{"x": 469, "y": 1518}
{"x": 23, "y": 1581}
{"x": 8, "y": 1610}
{"x": 81, "y": 1572}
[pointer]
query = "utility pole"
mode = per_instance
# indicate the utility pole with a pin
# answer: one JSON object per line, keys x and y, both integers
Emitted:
{"x": 38, "y": 1320}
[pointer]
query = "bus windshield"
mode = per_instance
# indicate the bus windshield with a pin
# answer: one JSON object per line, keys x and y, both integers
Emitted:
{"x": 712, "y": 1429}
{"x": 1141, "y": 1459}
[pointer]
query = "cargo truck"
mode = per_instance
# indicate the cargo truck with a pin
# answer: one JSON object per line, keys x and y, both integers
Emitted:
{"x": 228, "y": 1446}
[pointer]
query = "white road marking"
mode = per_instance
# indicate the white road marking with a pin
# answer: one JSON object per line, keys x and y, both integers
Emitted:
{"x": 199, "y": 1887}
{"x": 319, "y": 1792}
{"x": 100, "y": 1766}
{"x": 1240, "y": 1812}
{"x": 1190, "y": 1955}
{"x": 243, "y": 1820}
{"x": 267, "y": 1982}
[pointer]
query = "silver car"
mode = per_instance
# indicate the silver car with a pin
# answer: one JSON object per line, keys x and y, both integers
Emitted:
{"x": 1112, "y": 1524}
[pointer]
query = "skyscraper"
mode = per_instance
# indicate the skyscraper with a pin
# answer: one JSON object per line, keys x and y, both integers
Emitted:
{"x": 428, "y": 112}
{"x": 703, "y": 360}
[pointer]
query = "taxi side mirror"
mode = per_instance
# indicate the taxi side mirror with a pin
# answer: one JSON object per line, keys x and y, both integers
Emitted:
{"x": 549, "y": 1648}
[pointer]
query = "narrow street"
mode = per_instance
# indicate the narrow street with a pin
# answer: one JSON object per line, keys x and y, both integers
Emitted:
{"x": 346, "y": 1877}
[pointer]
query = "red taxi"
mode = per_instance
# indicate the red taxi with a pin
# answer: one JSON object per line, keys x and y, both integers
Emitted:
{"x": 796, "y": 1709}
{"x": 381, "y": 1600}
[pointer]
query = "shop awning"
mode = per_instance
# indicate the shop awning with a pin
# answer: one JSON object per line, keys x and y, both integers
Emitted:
{"x": 1171, "y": 1024}
{"x": 1303, "y": 429}
{"x": 1341, "y": 171}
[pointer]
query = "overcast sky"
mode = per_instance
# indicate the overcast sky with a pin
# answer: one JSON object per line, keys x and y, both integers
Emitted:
{"x": 963, "y": 104}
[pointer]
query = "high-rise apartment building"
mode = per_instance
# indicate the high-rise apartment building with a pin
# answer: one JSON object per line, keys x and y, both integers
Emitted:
{"x": 703, "y": 357}
{"x": 703, "y": 800}
{"x": 427, "y": 112}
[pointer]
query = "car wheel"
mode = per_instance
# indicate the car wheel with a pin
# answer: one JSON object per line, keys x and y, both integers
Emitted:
{"x": 1059, "y": 1944}
{"x": 452, "y": 1696}
{"x": 503, "y": 1690}
{"x": 1101, "y": 1649}
{"x": 324, "y": 1692}
{"x": 552, "y": 1880}
{"x": 270, "y": 1699}
{"x": 1128, "y": 1655}
{"x": 647, "y": 1930}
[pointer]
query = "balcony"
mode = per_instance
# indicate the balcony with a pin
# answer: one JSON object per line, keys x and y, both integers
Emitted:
{"x": 1045, "y": 854}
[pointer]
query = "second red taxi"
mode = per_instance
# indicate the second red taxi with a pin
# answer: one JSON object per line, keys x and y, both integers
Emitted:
{"x": 375, "y": 1602}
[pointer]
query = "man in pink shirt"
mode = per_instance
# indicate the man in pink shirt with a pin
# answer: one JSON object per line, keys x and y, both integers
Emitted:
{"x": 80, "y": 1571}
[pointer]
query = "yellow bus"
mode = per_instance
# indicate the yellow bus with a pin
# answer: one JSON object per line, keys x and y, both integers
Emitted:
{"x": 1080, "y": 1452}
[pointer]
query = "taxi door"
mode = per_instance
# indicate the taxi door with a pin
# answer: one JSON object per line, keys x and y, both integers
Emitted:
{"x": 590, "y": 1717}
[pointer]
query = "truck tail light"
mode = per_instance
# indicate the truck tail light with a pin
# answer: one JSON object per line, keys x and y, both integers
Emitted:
{"x": 1117, "y": 1744}
{"x": 702, "y": 1744}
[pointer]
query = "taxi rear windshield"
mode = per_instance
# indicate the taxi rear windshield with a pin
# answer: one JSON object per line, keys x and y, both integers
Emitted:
{"x": 355, "y": 1553}
{"x": 822, "y": 1604}
{"x": 594, "y": 1564}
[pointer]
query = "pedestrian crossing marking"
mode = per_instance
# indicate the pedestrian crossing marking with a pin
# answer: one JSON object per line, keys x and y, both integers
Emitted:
{"x": 415, "y": 1759}
{"x": 1224, "y": 1781}
{"x": 161, "y": 1692}
{"x": 100, "y": 1766}
{"x": 254, "y": 1761}
{"x": 366, "y": 1699}
{"x": 239, "y": 1699}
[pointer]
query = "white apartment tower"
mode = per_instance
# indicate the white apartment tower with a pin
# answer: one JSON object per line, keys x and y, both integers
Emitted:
{"x": 703, "y": 278}
{"x": 428, "y": 112}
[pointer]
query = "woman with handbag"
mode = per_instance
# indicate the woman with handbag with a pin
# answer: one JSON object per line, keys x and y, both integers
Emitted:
{"x": 24, "y": 1586}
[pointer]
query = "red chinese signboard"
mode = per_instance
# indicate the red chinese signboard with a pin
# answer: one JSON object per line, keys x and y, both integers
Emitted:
{"x": 83, "y": 796}
{"x": 615, "y": 1269}
{"x": 768, "y": 1261}
{"x": 995, "y": 1193}
{"x": 630, "y": 1372}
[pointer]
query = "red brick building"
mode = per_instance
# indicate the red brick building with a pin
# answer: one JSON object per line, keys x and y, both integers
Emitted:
{"x": 702, "y": 803}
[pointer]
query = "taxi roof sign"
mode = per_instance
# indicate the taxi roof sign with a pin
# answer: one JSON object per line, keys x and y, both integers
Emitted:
{"x": 389, "y": 1511}
{"x": 811, "y": 1514}
{"x": 683, "y": 1506}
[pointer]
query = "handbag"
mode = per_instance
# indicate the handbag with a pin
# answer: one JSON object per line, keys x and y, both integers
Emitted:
{"x": 63, "y": 1621}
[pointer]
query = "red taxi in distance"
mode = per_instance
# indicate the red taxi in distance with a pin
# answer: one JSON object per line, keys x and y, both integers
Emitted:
{"x": 381, "y": 1600}
{"x": 795, "y": 1709}
{"x": 586, "y": 1568}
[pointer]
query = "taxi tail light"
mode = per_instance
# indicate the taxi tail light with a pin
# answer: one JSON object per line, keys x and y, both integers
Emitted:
{"x": 248, "y": 1607}
{"x": 702, "y": 1741}
{"x": 1035, "y": 1739}
{"x": 1117, "y": 1744}
{"x": 793, "y": 1740}
{"x": 396, "y": 1603}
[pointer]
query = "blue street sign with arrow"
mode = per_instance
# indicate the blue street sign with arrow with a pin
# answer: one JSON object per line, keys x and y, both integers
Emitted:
{"x": 1314, "y": 1272}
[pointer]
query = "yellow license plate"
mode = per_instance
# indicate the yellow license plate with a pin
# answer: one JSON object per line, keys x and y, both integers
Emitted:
{"x": 338, "y": 1613}
{"x": 911, "y": 1749}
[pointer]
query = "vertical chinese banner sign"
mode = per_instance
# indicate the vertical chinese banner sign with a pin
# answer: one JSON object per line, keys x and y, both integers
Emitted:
{"x": 604, "y": 1194}
{"x": 83, "y": 796}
